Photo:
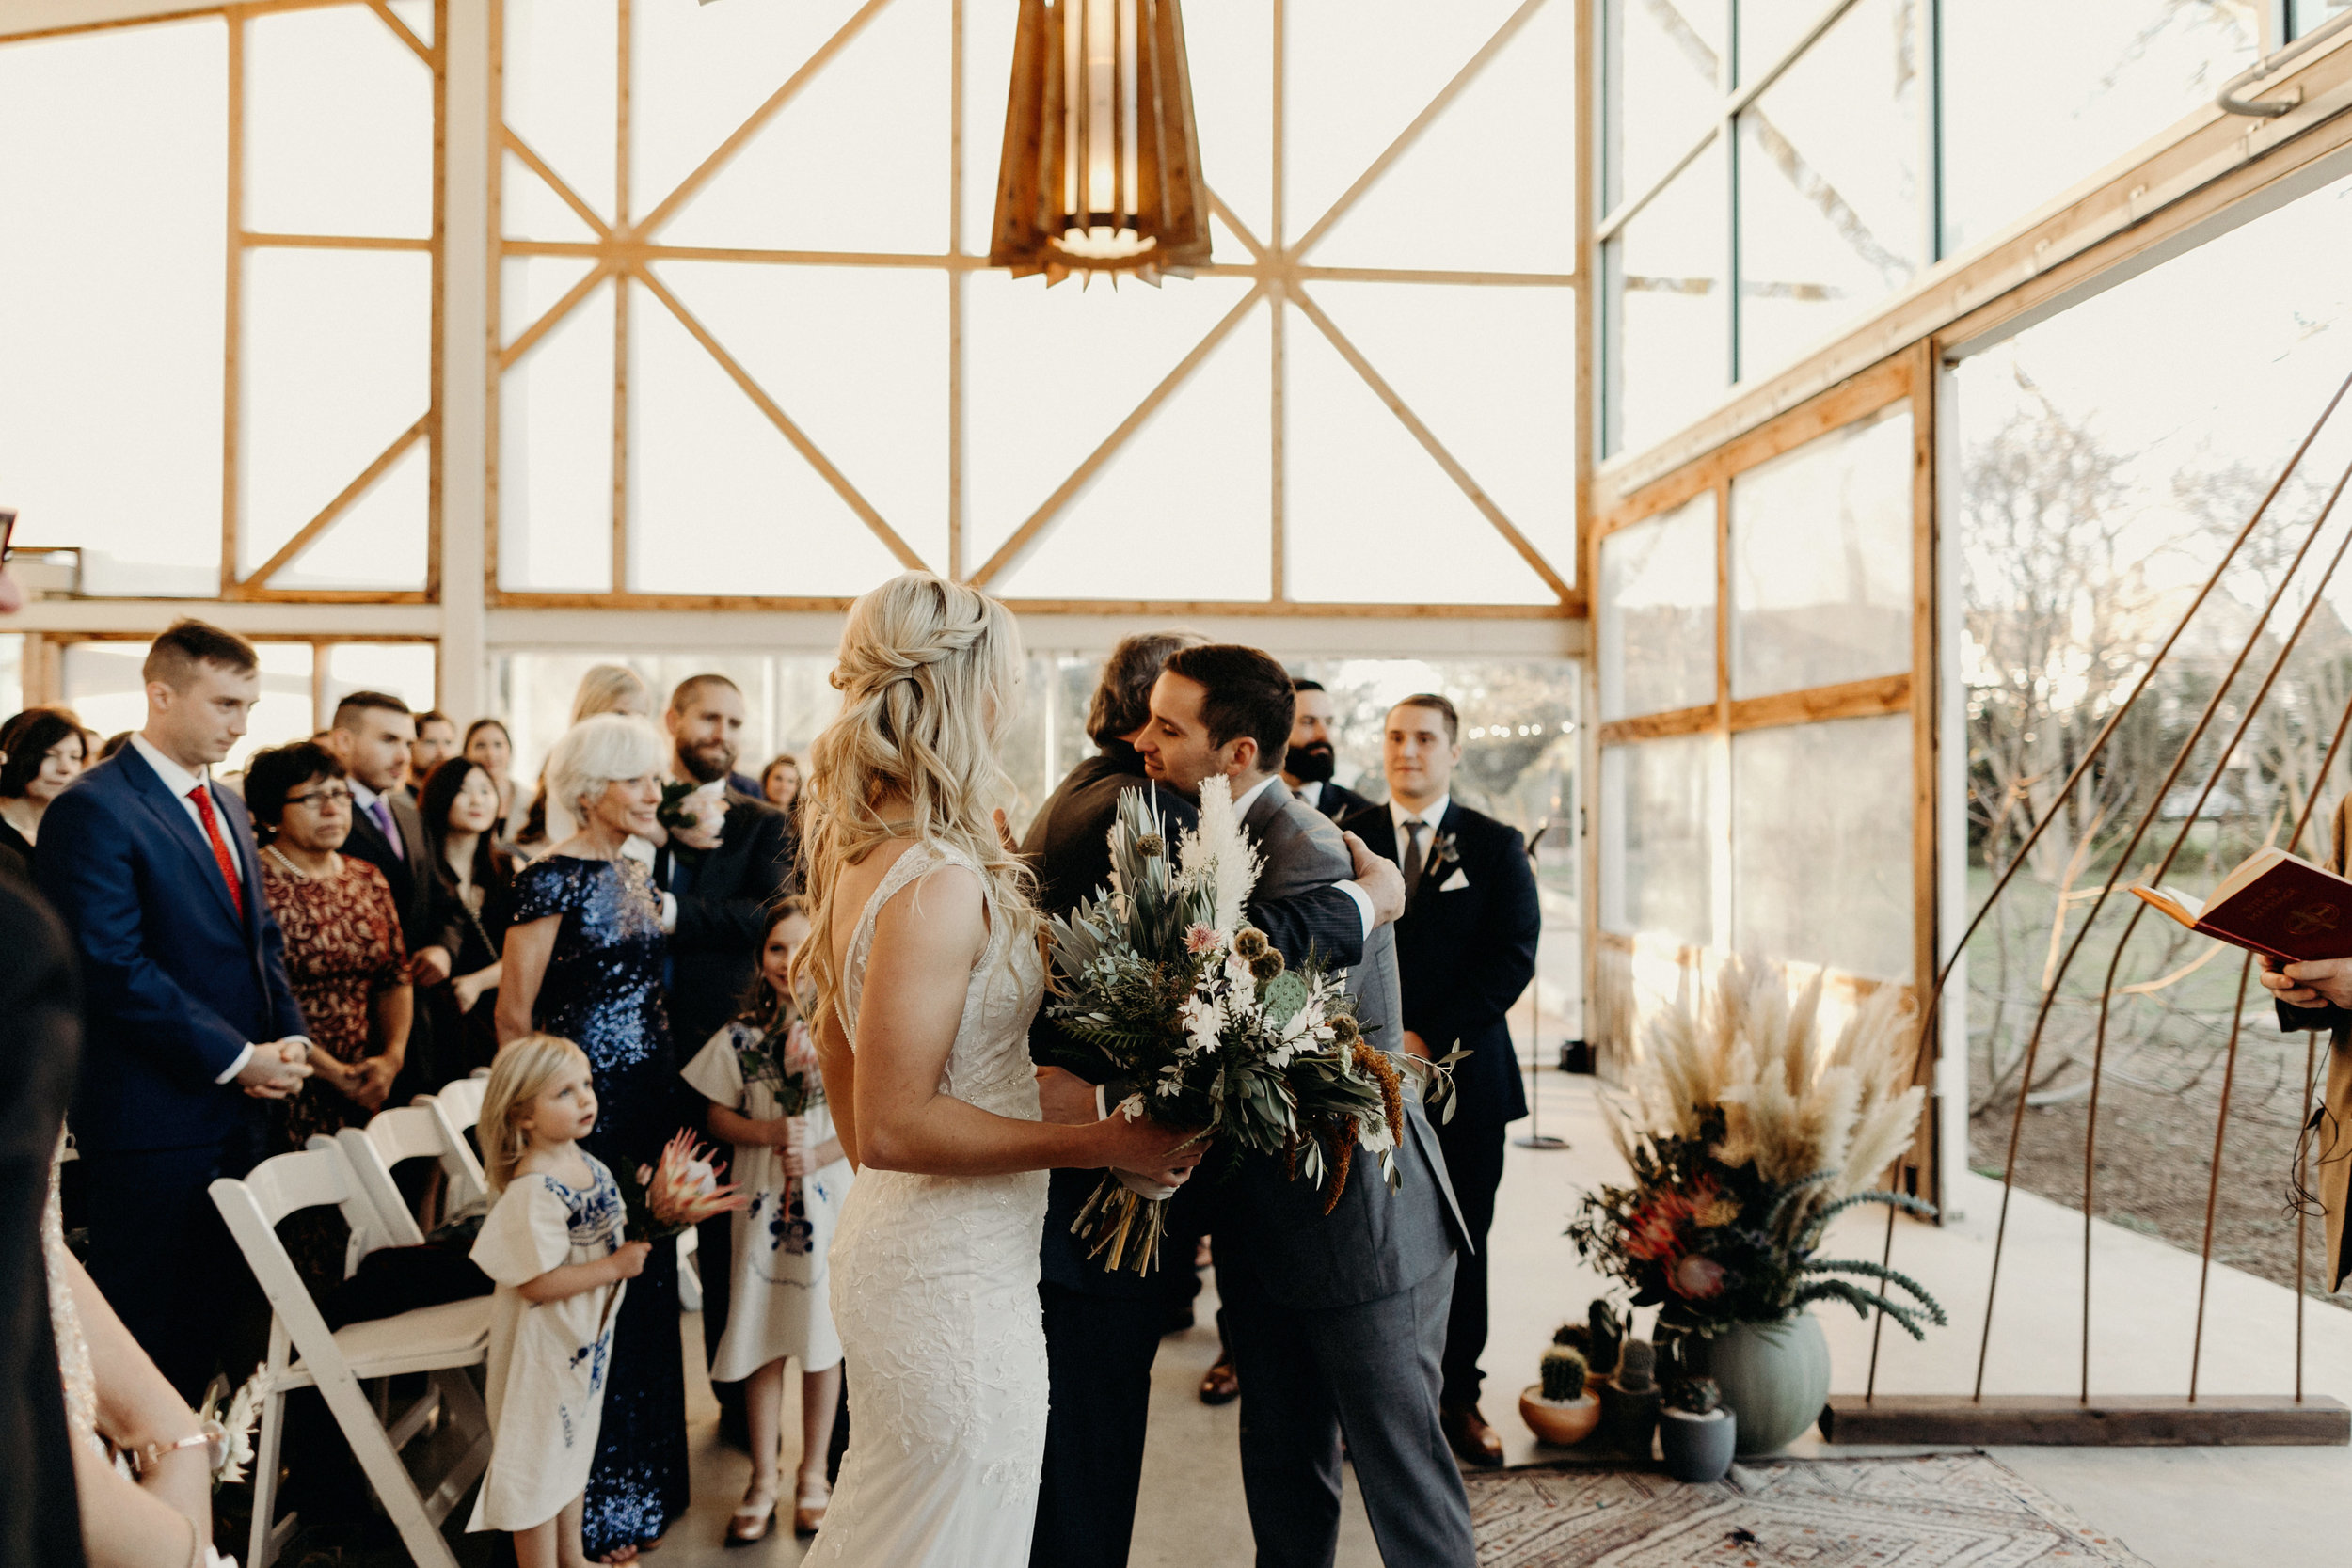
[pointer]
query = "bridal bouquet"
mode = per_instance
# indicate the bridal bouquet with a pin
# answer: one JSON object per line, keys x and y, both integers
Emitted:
{"x": 1166, "y": 989}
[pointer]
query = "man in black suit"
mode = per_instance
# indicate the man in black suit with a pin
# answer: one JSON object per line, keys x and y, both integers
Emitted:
{"x": 436, "y": 743}
{"x": 372, "y": 737}
{"x": 188, "y": 1019}
{"x": 1466, "y": 951}
{"x": 1313, "y": 759}
{"x": 715, "y": 889}
{"x": 1103, "y": 1328}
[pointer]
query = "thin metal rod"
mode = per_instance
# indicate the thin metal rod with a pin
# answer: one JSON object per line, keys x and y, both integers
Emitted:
{"x": 1931, "y": 1023}
{"x": 2213, "y": 1181}
{"x": 2302, "y": 1215}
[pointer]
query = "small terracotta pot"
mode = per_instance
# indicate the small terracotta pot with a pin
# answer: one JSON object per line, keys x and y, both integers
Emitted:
{"x": 1560, "y": 1425}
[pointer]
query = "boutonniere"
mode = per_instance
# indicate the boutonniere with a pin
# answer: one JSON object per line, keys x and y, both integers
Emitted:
{"x": 1444, "y": 853}
{"x": 694, "y": 814}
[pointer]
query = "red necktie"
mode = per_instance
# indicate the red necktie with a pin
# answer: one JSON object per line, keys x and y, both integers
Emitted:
{"x": 203, "y": 799}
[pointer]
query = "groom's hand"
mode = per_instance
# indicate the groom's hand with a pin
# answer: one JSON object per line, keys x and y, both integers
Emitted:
{"x": 1065, "y": 1097}
{"x": 1382, "y": 882}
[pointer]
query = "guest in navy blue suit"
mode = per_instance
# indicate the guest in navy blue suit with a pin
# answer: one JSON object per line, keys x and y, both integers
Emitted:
{"x": 189, "y": 1023}
{"x": 1465, "y": 952}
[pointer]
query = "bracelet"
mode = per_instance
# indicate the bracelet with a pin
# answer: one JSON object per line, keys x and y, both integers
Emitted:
{"x": 211, "y": 1436}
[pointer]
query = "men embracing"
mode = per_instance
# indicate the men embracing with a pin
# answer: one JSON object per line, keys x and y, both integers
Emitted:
{"x": 1338, "y": 1321}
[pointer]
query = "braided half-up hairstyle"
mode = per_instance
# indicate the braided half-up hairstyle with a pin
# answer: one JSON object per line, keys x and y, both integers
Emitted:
{"x": 929, "y": 673}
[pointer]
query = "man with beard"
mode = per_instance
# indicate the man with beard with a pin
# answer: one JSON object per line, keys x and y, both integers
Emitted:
{"x": 1312, "y": 760}
{"x": 716, "y": 887}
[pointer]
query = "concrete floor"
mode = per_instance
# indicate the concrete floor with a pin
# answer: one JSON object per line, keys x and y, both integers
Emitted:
{"x": 2177, "y": 1508}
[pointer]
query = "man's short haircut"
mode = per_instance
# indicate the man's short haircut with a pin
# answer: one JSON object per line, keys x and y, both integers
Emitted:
{"x": 1442, "y": 704}
{"x": 173, "y": 657}
{"x": 278, "y": 771}
{"x": 1301, "y": 683}
{"x": 1249, "y": 694}
{"x": 347, "y": 711}
{"x": 434, "y": 716}
{"x": 692, "y": 688}
{"x": 1121, "y": 703}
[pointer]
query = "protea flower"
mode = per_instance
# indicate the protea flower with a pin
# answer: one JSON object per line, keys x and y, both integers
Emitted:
{"x": 1199, "y": 938}
{"x": 682, "y": 1190}
{"x": 1696, "y": 1278}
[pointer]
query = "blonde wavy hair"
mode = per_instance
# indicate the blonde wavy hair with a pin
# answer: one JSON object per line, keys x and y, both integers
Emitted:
{"x": 524, "y": 1069}
{"x": 928, "y": 675}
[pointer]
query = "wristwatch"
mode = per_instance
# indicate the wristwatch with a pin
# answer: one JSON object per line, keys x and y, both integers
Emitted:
{"x": 212, "y": 1436}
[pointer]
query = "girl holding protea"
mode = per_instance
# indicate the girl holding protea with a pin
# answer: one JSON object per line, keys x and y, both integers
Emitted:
{"x": 552, "y": 1243}
{"x": 767, "y": 1099}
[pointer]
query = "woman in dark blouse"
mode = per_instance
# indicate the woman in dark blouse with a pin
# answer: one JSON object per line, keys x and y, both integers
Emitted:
{"x": 476, "y": 881}
{"x": 584, "y": 959}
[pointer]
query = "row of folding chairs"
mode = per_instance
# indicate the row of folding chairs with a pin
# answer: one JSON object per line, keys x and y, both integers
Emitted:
{"x": 352, "y": 1172}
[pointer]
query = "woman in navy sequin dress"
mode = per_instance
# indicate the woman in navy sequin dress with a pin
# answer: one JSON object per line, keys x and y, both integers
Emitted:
{"x": 583, "y": 960}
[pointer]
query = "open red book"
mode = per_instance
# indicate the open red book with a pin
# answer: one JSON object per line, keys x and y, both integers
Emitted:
{"x": 2275, "y": 903}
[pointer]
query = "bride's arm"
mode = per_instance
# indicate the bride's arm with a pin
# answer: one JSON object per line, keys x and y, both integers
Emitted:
{"x": 896, "y": 1117}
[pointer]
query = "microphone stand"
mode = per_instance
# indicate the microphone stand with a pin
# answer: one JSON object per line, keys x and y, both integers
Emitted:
{"x": 1535, "y": 1137}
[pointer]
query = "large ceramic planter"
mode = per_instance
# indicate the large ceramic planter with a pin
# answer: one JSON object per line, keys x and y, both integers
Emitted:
{"x": 1696, "y": 1449}
{"x": 1560, "y": 1424}
{"x": 1774, "y": 1378}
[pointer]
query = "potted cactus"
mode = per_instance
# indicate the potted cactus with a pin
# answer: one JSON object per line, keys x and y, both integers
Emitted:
{"x": 1559, "y": 1410}
{"x": 1604, "y": 1334}
{"x": 1629, "y": 1400}
{"x": 1695, "y": 1433}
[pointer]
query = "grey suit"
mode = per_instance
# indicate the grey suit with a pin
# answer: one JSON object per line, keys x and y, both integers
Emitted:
{"x": 1338, "y": 1321}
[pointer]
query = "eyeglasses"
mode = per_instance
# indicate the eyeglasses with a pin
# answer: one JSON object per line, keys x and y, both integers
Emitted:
{"x": 8, "y": 531}
{"x": 320, "y": 800}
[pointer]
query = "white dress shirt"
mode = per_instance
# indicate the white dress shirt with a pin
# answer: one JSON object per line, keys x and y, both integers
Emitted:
{"x": 1431, "y": 815}
{"x": 184, "y": 783}
{"x": 1311, "y": 792}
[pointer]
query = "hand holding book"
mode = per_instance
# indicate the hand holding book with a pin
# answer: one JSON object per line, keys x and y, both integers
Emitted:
{"x": 2275, "y": 904}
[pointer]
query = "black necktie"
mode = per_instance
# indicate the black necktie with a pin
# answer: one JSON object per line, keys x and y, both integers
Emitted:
{"x": 1414, "y": 828}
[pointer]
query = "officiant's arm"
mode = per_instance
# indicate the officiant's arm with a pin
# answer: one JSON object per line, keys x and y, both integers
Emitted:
{"x": 926, "y": 941}
{"x": 2313, "y": 995}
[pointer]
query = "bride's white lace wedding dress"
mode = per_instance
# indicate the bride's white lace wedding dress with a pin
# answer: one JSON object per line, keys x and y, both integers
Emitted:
{"x": 934, "y": 1291}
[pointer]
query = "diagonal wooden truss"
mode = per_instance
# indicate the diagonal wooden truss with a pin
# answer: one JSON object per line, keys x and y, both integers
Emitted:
{"x": 625, "y": 248}
{"x": 259, "y": 584}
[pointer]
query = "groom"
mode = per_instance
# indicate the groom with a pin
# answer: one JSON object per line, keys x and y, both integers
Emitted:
{"x": 1338, "y": 1321}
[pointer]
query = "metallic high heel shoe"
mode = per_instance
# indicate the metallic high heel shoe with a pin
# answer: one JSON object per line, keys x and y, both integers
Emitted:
{"x": 748, "y": 1530}
{"x": 808, "y": 1512}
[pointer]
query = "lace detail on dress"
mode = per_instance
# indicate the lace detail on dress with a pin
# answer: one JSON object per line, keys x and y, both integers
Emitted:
{"x": 935, "y": 1293}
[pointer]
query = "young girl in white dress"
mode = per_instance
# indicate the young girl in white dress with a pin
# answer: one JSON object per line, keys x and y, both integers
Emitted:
{"x": 767, "y": 1099}
{"x": 552, "y": 1243}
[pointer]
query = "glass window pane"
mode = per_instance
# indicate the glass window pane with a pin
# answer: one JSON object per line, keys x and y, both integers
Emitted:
{"x": 2021, "y": 124}
{"x": 338, "y": 357}
{"x": 11, "y": 672}
{"x": 1665, "y": 84}
{"x": 111, "y": 299}
{"x": 1820, "y": 845}
{"x": 1657, "y": 612}
{"x": 103, "y": 686}
{"x": 1456, "y": 198}
{"x": 561, "y": 71}
{"x": 1229, "y": 50}
{"x": 401, "y": 670}
{"x": 2304, "y": 15}
{"x": 1769, "y": 29}
{"x": 1820, "y": 560}
{"x": 1670, "y": 352}
{"x": 1830, "y": 220}
{"x": 338, "y": 126}
{"x": 554, "y": 492}
{"x": 1656, "y": 852}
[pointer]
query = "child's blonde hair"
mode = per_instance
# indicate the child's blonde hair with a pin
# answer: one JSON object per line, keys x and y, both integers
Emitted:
{"x": 521, "y": 1075}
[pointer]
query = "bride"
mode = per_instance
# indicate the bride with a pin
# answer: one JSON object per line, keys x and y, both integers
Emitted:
{"x": 927, "y": 965}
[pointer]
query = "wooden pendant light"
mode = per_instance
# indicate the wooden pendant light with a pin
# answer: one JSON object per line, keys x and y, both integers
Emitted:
{"x": 1102, "y": 162}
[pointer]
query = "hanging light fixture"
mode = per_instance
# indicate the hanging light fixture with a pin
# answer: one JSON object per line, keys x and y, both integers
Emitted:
{"x": 1102, "y": 163}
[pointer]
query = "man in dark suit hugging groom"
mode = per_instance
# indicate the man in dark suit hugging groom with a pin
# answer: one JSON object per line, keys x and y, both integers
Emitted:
{"x": 1336, "y": 1322}
{"x": 1466, "y": 950}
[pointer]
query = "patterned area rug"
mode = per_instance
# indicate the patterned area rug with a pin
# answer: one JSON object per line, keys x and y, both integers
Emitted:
{"x": 1942, "y": 1511}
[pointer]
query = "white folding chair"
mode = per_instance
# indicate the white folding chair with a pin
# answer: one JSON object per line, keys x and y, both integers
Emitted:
{"x": 403, "y": 1133}
{"x": 362, "y": 1215}
{"x": 440, "y": 1341}
{"x": 455, "y": 1108}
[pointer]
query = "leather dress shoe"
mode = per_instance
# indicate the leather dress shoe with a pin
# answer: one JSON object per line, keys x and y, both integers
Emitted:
{"x": 1220, "y": 1383}
{"x": 1473, "y": 1441}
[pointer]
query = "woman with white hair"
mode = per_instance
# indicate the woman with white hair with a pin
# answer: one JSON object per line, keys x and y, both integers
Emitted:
{"x": 928, "y": 970}
{"x": 583, "y": 961}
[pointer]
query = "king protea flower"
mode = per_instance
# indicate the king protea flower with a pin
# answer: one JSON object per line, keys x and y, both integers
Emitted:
{"x": 684, "y": 1188}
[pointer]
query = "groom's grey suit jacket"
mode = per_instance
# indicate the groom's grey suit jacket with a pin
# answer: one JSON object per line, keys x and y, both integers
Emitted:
{"x": 1375, "y": 1243}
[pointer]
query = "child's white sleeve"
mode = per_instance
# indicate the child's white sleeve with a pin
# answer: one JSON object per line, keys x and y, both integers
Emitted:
{"x": 716, "y": 1072}
{"x": 526, "y": 1232}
